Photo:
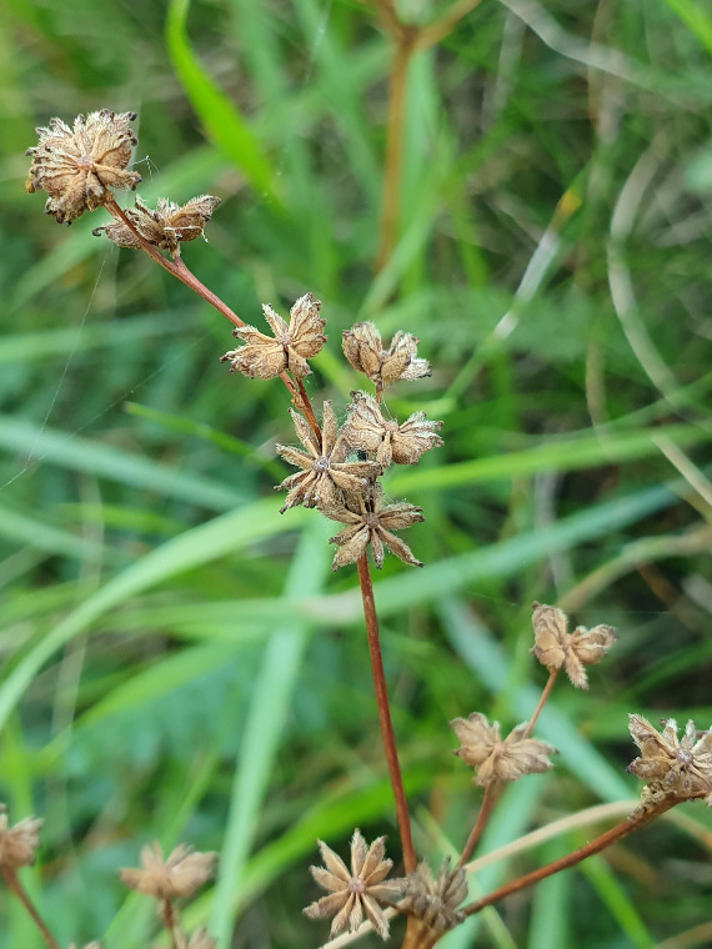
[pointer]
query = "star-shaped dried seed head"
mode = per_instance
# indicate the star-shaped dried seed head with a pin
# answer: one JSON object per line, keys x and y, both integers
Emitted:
{"x": 373, "y": 526}
{"x": 18, "y": 844}
{"x": 672, "y": 766}
{"x": 363, "y": 347}
{"x": 178, "y": 875}
{"x": 367, "y": 430}
{"x": 497, "y": 760}
{"x": 325, "y": 475}
{"x": 289, "y": 348}
{"x": 166, "y": 227}
{"x": 77, "y": 166}
{"x": 356, "y": 892}
{"x": 555, "y": 647}
{"x": 434, "y": 901}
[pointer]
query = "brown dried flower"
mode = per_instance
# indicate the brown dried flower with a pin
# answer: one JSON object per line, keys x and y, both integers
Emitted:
{"x": 325, "y": 473}
{"x": 363, "y": 347}
{"x": 554, "y": 647}
{"x": 373, "y": 525}
{"x": 497, "y": 760}
{"x": 289, "y": 348}
{"x": 367, "y": 430}
{"x": 434, "y": 901}
{"x": 356, "y": 892}
{"x": 672, "y": 766}
{"x": 77, "y": 166}
{"x": 166, "y": 227}
{"x": 19, "y": 843}
{"x": 178, "y": 875}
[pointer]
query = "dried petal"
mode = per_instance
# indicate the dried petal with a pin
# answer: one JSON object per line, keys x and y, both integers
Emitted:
{"x": 495, "y": 760}
{"x": 78, "y": 166}
{"x": 555, "y": 647}
{"x": 179, "y": 875}
{"x": 355, "y": 892}
{"x": 18, "y": 843}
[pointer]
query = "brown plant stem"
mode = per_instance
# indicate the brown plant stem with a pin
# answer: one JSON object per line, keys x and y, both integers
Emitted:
{"x": 307, "y": 409}
{"x": 13, "y": 884}
{"x": 638, "y": 819}
{"x": 384, "y": 714}
{"x": 492, "y": 792}
{"x": 444, "y": 25}
{"x": 170, "y": 921}
{"x": 545, "y": 692}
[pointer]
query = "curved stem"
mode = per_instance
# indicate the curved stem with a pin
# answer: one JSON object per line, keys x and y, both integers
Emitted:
{"x": 540, "y": 704}
{"x": 491, "y": 795}
{"x": 384, "y": 714}
{"x": 13, "y": 884}
{"x": 638, "y": 819}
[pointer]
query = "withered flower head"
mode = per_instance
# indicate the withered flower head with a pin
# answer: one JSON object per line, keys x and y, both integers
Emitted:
{"x": 19, "y": 843}
{"x": 497, "y": 760}
{"x": 434, "y": 901}
{"x": 373, "y": 525}
{"x": 77, "y": 166}
{"x": 166, "y": 227}
{"x": 555, "y": 647}
{"x": 355, "y": 892}
{"x": 178, "y": 875}
{"x": 367, "y": 430}
{"x": 325, "y": 473}
{"x": 672, "y": 766}
{"x": 289, "y": 348}
{"x": 363, "y": 347}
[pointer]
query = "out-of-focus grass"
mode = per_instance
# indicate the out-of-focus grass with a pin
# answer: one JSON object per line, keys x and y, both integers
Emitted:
{"x": 174, "y": 664}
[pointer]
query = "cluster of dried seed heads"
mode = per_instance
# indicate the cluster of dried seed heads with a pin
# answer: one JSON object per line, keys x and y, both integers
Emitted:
{"x": 555, "y": 647}
{"x": 672, "y": 766}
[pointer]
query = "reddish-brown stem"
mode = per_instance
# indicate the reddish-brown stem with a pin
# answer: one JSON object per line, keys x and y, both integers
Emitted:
{"x": 171, "y": 923}
{"x": 13, "y": 884}
{"x": 384, "y": 713}
{"x": 307, "y": 409}
{"x": 393, "y": 165}
{"x": 545, "y": 692}
{"x": 488, "y": 801}
{"x": 175, "y": 267}
{"x": 634, "y": 822}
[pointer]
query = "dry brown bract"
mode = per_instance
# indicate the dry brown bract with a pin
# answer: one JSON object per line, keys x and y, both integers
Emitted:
{"x": 497, "y": 760}
{"x": 179, "y": 875}
{"x": 681, "y": 767}
{"x": 357, "y": 892}
{"x": 166, "y": 227}
{"x": 363, "y": 348}
{"x": 76, "y": 167}
{"x": 19, "y": 843}
{"x": 373, "y": 525}
{"x": 434, "y": 902}
{"x": 325, "y": 474}
{"x": 289, "y": 348}
{"x": 554, "y": 647}
{"x": 366, "y": 429}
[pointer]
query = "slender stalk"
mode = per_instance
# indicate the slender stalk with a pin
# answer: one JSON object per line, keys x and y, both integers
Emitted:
{"x": 13, "y": 884}
{"x": 442, "y": 27}
{"x": 170, "y": 921}
{"x": 540, "y": 704}
{"x": 306, "y": 407}
{"x": 634, "y": 822}
{"x": 384, "y": 714}
{"x": 492, "y": 792}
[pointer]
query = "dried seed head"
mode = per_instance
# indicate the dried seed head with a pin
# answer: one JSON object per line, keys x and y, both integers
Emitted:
{"x": 178, "y": 875}
{"x": 166, "y": 227}
{"x": 495, "y": 760}
{"x": 672, "y": 766}
{"x": 555, "y": 647}
{"x": 77, "y": 166}
{"x": 18, "y": 844}
{"x": 363, "y": 347}
{"x": 367, "y": 430}
{"x": 289, "y": 348}
{"x": 356, "y": 892}
{"x": 373, "y": 526}
{"x": 325, "y": 475}
{"x": 434, "y": 902}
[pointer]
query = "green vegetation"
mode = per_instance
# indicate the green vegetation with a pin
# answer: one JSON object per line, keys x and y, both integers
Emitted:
{"x": 177, "y": 659}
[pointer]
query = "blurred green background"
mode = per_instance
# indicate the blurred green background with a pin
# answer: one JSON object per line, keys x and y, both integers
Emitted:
{"x": 177, "y": 660}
